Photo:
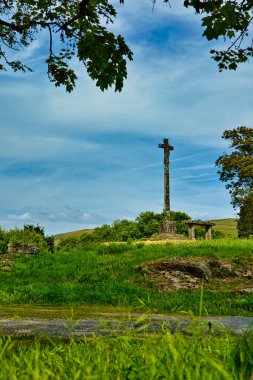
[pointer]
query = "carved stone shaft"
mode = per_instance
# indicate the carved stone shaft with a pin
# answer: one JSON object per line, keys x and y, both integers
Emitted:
{"x": 167, "y": 226}
{"x": 167, "y": 148}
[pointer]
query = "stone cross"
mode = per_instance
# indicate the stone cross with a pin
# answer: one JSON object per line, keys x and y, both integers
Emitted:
{"x": 167, "y": 148}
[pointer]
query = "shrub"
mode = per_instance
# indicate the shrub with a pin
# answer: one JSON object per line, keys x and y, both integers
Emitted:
{"x": 104, "y": 233}
{"x": 126, "y": 229}
{"x": 4, "y": 240}
{"x": 178, "y": 217}
{"x": 50, "y": 243}
{"x": 41, "y": 231}
{"x": 217, "y": 234}
{"x": 68, "y": 243}
{"x": 148, "y": 223}
{"x": 27, "y": 236}
{"x": 87, "y": 238}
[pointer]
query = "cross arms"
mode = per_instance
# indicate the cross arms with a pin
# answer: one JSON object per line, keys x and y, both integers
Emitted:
{"x": 166, "y": 146}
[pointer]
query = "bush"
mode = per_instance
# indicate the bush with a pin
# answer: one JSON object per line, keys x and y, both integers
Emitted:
{"x": 4, "y": 240}
{"x": 50, "y": 243}
{"x": 178, "y": 217}
{"x": 217, "y": 234}
{"x": 125, "y": 230}
{"x": 41, "y": 231}
{"x": 148, "y": 223}
{"x": 87, "y": 238}
{"x": 104, "y": 233}
{"x": 68, "y": 243}
{"x": 27, "y": 236}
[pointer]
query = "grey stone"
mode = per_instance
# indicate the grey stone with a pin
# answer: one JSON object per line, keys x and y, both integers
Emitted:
{"x": 22, "y": 248}
{"x": 167, "y": 226}
{"x": 192, "y": 223}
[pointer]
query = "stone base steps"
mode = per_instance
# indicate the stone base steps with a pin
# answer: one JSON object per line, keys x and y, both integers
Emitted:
{"x": 166, "y": 236}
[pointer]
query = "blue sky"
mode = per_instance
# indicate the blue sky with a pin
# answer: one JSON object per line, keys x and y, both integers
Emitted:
{"x": 79, "y": 160}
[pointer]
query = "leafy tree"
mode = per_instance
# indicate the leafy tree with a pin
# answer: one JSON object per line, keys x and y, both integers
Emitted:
{"x": 178, "y": 217}
{"x": 78, "y": 29}
{"x": 38, "y": 229}
{"x": 75, "y": 29}
{"x": 230, "y": 20}
{"x": 245, "y": 223}
{"x": 236, "y": 169}
{"x": 148, "y": 223}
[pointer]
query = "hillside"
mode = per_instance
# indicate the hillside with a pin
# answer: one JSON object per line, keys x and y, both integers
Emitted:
{"x": 58, "y": 237}
{"x": 227, "y": 226}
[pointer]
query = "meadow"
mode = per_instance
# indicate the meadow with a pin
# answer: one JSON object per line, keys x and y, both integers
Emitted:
{"x": 109, "y": 276}
{"x": 102, "y": 278}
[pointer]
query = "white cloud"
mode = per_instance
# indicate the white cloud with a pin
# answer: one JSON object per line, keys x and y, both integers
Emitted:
{"x": 23, "y": 217}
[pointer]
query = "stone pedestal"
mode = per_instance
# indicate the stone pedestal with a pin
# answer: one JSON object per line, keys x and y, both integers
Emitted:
{"x": 168, "y": 227}
{"x": 168, "y": 231}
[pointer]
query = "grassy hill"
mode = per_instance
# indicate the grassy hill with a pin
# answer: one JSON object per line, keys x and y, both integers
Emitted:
{"x": 227, "y": 226}
{"x": 58, "y": 237}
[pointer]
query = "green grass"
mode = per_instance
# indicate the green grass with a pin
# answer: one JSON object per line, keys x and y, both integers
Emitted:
{"x": 108, "y": 276}
{"x": 162, "y": 356}
{"x": 227, "y": 226}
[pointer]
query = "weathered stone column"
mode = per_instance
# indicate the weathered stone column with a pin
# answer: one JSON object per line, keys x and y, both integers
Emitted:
{"x": 167, "y": 148}
{"x": 167, "y": 227}
{"x": 208, "y": 234}
{"x": 191, "y": 232}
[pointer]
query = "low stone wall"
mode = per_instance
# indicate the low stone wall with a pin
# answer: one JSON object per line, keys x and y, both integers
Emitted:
{"x": 22, "y": 248}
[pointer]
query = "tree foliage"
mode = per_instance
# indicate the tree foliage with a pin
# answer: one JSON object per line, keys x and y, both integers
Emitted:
{"x": 236, "y": 168}
{"x": 79, "y": 29}
{"x": 230, "y": 20}
{"x": 245, "y": 223}
{"x": 75, "y": 29}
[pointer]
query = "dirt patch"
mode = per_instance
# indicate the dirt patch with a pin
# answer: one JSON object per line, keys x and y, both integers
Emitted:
{"x": 192, "y": 273}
